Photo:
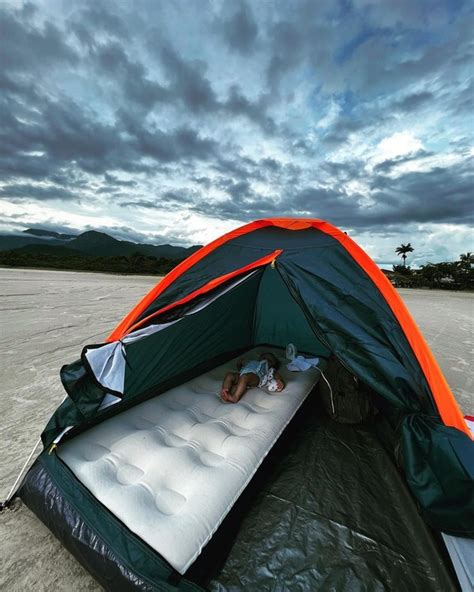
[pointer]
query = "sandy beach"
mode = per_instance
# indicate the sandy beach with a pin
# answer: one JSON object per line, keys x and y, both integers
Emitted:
{"x": 48, "y": 316}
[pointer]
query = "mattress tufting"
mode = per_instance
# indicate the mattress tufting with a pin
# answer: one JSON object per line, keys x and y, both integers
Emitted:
{"x": 172, "y": 467}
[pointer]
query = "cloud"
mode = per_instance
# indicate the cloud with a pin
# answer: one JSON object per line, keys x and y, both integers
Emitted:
{"x": 39, "y": 192}
{"x": 26, "y": 46}
{"x": 397, "y": 145}
{"x": 414, "y": 101}
{"x": 386, "y": 165}
{"x": 240, "y": 30}
{"x": 439, "y": 195}
{"x": 100, "y": 18}
{"x": 113, "y": 61}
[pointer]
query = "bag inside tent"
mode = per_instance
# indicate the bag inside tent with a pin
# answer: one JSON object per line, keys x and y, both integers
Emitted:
{"x": 359, "y": 475}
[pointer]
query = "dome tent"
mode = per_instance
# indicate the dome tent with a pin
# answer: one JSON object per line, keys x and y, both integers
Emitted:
{"x": 270, "y": 282}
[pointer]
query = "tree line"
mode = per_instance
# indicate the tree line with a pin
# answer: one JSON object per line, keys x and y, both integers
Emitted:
{"x": 448, "y": 275}
{"x": 136, "y": 263}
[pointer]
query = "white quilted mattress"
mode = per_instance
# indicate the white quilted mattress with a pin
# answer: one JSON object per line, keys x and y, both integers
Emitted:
{"x": 172, "y": 467}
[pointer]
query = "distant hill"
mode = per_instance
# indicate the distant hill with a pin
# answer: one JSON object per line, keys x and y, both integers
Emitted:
{"x": 54, "y": 250}
{"x": 101, "y": 244}
{"x": 14, "y": 241}
{"x": 98, "y": 244}
{"x": 49, "y": 234}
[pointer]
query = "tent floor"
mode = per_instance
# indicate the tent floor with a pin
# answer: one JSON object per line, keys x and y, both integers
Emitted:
{"x": 328, "y": 510}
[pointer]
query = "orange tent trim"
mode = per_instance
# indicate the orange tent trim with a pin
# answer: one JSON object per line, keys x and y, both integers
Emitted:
{"x": 446, "y": 403}
{"x": 208, "y": 287}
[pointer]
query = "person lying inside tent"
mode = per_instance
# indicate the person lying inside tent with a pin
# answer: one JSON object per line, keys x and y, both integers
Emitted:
{"x": 262, "y": 373}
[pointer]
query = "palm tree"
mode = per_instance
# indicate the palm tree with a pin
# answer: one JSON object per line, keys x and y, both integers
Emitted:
{"x": 402, "y": 250}
{"x": 466, "y": 259}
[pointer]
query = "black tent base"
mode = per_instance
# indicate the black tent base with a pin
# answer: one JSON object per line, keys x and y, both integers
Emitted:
{"x": 328, "y": 509}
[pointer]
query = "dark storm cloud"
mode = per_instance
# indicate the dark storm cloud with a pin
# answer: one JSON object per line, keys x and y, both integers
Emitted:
{"x": 204, "y": 181}
{"x": 189, "y": 84}
{"x": 328, "y": 203}
{"x": 413, "y": 101}
{"x": 114, "y": 181}
{"x": 25, "y": 47}
{"x": 48, "y": 135}
{"x": 342, "y": 172}
{"x": 288, "y": 45}
{"x": 240, "y": 30}
{"x": 462, "y": 102}
{"x": 165, "y": 147}
{"x": 239, "y": 168}
{"x": 387, "y": 165}
{"x": 63, "y": 132}
{"x": 438, "y": 195}
{"x": 238, "y": 104}
{"x": 112, "y": 60}
{"x": 37, "y": 192}
{"x": 340, "y": 130}
{"x": 241, "y": 207}
{"x": 393, "y": 66}
{"x": 138, "y": 203}
{"x": 183, "y": 198}
{"x": 240, "y": 190}
{"x": 98, "y": 17}
{"x": 270, "y": 164}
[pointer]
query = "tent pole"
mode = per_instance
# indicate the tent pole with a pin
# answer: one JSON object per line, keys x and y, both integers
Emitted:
{"x": 12, "y": 491}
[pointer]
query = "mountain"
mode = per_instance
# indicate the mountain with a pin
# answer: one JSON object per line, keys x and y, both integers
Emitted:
{"x": 14, "y": 241}
{"x": 33, "y": 236}
{"x": 98, "y": 244}
{"x": 49, "y": 234}
{"x": 104, "y": 245}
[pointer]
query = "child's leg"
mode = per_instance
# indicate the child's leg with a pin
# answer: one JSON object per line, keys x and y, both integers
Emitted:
{"x": 230, "y": 380}
{"x": 245, "y": 381}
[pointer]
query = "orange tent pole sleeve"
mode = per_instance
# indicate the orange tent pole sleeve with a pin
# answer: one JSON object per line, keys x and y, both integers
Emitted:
{"x": 208, "y": 287}
{"x": 444, "y": 399}
{"x": 177, "y": 271}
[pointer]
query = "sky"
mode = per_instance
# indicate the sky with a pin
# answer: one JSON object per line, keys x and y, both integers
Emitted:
{"x": 176, "y": 121}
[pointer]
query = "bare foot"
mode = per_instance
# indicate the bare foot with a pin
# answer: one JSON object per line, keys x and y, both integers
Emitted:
{"x": 228, "y": 397}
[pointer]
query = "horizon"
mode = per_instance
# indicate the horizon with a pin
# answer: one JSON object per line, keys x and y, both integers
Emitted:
{"x": 174, "y": 123}
{"x": 75, "y": 233}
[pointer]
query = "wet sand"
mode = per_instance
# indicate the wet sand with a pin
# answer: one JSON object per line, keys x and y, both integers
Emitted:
{"x": 48, "y": 316}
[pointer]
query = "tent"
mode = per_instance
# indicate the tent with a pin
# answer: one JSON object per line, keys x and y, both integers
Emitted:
{"x": 154, "y": 483}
